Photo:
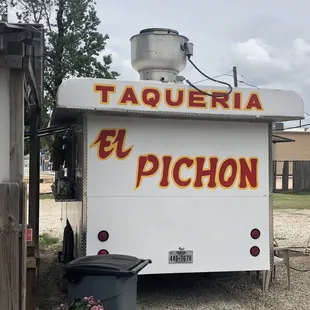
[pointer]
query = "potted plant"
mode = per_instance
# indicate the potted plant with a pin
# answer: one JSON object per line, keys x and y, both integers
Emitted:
{"x": 87, "y": 303}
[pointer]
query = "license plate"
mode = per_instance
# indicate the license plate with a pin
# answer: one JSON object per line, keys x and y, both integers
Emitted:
{"x": 180, "y": 257}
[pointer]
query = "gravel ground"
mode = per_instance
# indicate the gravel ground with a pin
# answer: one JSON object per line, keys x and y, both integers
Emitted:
{"x": 227, "y": 291}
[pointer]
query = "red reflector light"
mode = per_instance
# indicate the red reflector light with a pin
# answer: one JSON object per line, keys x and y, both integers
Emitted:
{"x": 103, "y": 252}
{"x": 255, "y": 233}
{"x": 103, "y": 235}
{"x": 254, "y": 251}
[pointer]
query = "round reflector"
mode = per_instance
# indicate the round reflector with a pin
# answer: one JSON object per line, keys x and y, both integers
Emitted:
{"x": 255, "y": 233}
{"x": 103, "y": 235}
{"x": 103, "y": 252}
{"x": 254, "y": 251}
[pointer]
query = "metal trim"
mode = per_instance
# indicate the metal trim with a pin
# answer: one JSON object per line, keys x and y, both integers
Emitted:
{"x": 84, "y": 199}
{"x": 270, "y": 159}
{"x": 171, "y": 114}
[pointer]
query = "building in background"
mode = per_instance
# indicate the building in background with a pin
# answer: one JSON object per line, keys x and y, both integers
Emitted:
{"x": 297, "y": 146}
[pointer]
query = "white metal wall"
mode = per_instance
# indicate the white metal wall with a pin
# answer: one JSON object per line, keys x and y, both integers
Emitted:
{"x": 151, "y": 221}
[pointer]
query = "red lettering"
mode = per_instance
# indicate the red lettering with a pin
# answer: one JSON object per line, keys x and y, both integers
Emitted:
{"x": 128, "y": 96}
{"x": 104, "y": 91}
{"x": 164, "y": 181}
{"x": 231, "y": 164}
{"x": 142, "y": 172}
{"x": 237, "y": 101}
{"x": 248, "y": 173}
{"x": 151, "y": 97}
{"x": 222, "y": 101}
{"x": 188, "y": 162}
{"x": 119, "y": 141}
{"x": 253, "y": 103}
{"x": 174, "y": 103}
{"x": 109, "y": 141}
{"x": 201, "y": 173}
{"x": 104, "y": 140}
{"x": 196, "y": 99}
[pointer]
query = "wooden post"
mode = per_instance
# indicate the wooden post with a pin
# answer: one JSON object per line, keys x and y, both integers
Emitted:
{"x": 4, "y": 125}
{"x": 23, "y": 245}
{"x": 285, "y": 178}
{"x": 12, "y": 204}
{"x": 17, "y": 79}
{"x": 235, "y": 75}
{"x": 9, "y": 246}
{"x": 274, "y": 185}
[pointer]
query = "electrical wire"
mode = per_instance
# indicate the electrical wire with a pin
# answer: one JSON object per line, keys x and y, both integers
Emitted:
{"x": 227, "y": 74}
{"x": 248, "y": 84}
{"x": 214, "y": 77}
{"x": 185, "y": 46}
{"x": 249, "y": 81}
{"x": 294, "y": 127}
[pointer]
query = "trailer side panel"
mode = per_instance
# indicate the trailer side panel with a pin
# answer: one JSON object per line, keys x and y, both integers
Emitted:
{"x": 163, "y": 185}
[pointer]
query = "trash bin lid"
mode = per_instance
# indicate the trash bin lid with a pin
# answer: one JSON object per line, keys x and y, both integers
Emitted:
{"x": 110, "y": 264}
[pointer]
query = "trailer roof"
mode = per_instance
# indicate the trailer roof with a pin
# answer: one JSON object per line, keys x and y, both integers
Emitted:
{"x": 156, "y": 99}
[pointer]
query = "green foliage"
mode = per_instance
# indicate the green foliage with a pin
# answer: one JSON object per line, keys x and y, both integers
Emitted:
{"x": 299, "y": 201}
{"x": 47, "y": 240}
{"x": 74, "y": 47}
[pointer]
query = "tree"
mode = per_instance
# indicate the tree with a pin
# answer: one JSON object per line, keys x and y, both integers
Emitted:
{"x": 73, "y": 43}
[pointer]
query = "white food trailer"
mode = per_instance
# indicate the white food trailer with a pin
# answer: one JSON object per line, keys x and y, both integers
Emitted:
{"x": 157, "y": 169}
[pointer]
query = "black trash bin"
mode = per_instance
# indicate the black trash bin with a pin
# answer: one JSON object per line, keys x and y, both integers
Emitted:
{"x": 110, "y": 278}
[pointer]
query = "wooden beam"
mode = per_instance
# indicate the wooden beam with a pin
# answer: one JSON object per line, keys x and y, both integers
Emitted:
{"x": 4, "y": 124}
{"x": 23, "y": 245}
{"x": 17, "y": 91}
{"x": 17, "y": 78}
{"x": 9, "y": 246}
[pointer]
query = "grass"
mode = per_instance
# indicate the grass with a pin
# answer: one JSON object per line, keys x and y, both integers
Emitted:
{"x": 46, "y": 240}
{"x": 291, "y": 200}
{"x": 46, "y": 196}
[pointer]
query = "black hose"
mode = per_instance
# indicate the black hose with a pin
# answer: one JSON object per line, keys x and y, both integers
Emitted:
{"x": 289, "y": 248}
{"x": 206, "y": 76}
{"x": 300, "y": 270}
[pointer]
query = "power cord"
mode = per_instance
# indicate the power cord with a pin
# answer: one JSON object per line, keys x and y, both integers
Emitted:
{"x": 300, "y": 270}
{"x": 188, "y": 55}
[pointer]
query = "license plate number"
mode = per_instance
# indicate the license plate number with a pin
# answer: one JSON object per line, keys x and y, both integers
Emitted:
{"x": 180, "y": 257}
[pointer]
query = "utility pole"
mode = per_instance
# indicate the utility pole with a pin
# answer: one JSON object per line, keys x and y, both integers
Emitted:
{"x": 235, "y": 76}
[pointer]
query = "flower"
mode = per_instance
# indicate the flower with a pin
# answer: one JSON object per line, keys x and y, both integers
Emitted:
{"x": 86, "y": 303}
{"x": 98, "y": 307}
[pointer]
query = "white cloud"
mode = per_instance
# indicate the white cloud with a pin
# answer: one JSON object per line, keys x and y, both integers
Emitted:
{"x": 256, "y": 52}
{"x": 269, "y": 66}
{"x": 253, "y": 50}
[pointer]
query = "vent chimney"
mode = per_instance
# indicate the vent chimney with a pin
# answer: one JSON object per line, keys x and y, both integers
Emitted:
{"x": 157, "y": 54}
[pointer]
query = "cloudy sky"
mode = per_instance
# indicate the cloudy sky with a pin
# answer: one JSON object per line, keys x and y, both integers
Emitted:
{"x": 268, "y": 41}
